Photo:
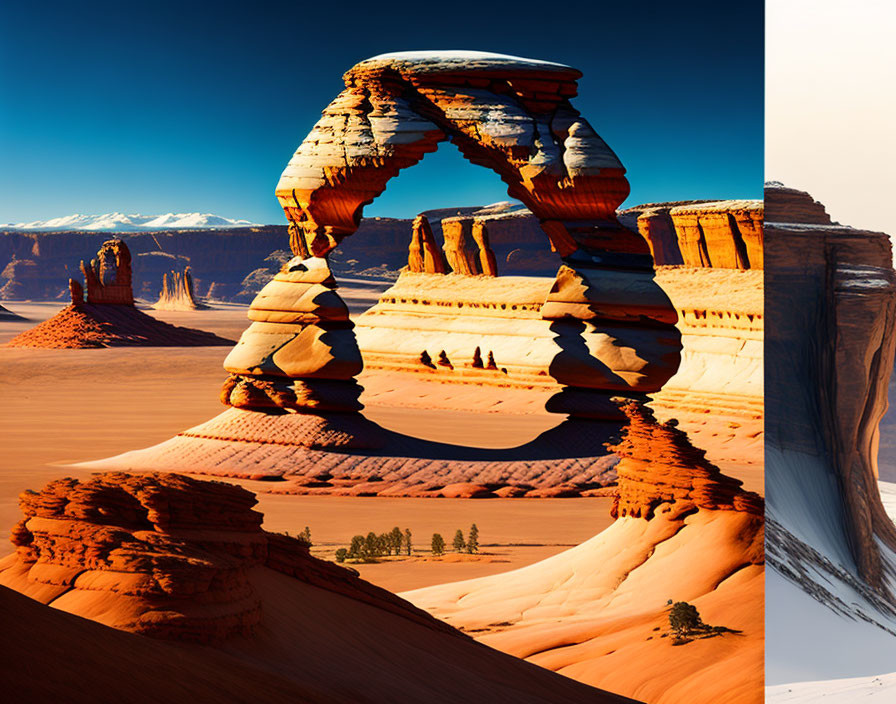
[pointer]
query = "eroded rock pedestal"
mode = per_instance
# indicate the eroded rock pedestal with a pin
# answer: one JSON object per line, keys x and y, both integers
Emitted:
{"x": 105, "y": 315}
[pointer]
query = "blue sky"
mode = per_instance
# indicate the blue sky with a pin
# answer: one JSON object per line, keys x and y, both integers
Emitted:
{"x": 177, "y": 106}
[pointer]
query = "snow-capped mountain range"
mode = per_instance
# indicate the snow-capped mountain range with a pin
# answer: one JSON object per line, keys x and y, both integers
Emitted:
{"x": 119, "y": 222}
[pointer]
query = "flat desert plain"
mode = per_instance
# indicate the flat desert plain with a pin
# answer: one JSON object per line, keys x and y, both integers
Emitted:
{"x": 67, "y": 406}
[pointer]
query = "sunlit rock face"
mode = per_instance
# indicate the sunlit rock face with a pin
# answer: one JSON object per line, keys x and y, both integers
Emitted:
{"x": 108, "y": 277}
{"x": 831, "y": 305}
{"x": 611, "y": 327}
{"x": 177, "y": 292}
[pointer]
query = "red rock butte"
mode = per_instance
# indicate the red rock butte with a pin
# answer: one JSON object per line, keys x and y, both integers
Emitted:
{"x": 106, "y": 316}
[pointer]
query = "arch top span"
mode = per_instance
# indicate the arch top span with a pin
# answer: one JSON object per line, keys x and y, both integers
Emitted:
{"x": 509, "y": 114}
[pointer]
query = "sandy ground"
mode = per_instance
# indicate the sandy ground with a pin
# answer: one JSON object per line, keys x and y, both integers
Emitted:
{"x": 65, "y": 406}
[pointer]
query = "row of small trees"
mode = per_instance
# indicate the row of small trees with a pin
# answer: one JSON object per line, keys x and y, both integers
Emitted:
{"x": 372, "y": 546}
{"x": 369, "y": 547}
{"x": 470, "y": 544}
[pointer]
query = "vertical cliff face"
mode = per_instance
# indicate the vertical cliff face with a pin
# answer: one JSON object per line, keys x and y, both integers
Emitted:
{"x": 831, "y": 306}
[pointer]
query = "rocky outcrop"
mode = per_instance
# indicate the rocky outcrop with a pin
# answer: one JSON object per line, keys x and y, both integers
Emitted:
{"x": 108, "y": 318}
{"x": 831, "y": 306}
{"x": 108, "y": 277}
{"x": 299, "y": 353}
{"x": 163, "y": 555}
{"x": 461, "y": 251}
{"x": 793, "y": 206}
{"x": 659, "y": 465}
{"x": 177, "y": 292}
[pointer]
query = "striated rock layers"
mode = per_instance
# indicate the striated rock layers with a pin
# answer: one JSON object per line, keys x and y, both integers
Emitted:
{"x": 597, "y": 612}
{"x": 187, "y": 563}
{"x": 830, "y": 350}
{"x": 499, "y": 332}
{"x": 513, "y": 116}
{"x": 162, "y": 555}
{"x": 177, "y": 292}
{"x": 659, "y": 465}
{"x": 723, "y": 234}
{"x": 106, "y": 315}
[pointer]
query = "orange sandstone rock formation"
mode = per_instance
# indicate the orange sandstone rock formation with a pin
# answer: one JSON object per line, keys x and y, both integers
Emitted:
{"x": 177, "y": 292}
{"x": 719, "y": 234}
{"x": 108, "y": 277}
{"x": 513, "y": 116}
{"x": 659, "y": 465}
{"x": 108, "y": 318}
{"x": 187, "y": 563}
{"x": 461, "y": 251}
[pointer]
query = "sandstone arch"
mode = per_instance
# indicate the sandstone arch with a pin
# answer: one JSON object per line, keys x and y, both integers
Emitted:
{"x": 612, "y": 326}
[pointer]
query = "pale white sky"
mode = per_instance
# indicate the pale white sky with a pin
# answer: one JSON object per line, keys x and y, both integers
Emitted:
{"x": 831, "y": 105}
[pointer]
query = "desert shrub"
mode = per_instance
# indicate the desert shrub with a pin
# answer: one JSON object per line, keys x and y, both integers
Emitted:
{"x": 684, "y": 618}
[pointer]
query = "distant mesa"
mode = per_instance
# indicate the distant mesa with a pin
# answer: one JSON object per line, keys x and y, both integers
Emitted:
{"x": 177, "y": 292}
{"x": 106, "y": 316}
{"x": 185, "y": 568}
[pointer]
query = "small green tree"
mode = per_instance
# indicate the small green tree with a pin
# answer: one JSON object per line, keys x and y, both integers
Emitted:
{"x": 305, "y": 536}
{"x": 407, "y": 541}
{"x": 341, "y": 554}
{"x": 438, "y": 544}
{"x": 684, "y": 618}
{"x": 396, "y": 536}
{"x": 356, "y": 549}
{"x": 459, "y": 543}
{"x": 371, "y": 544}
{"x": 473, "y": 540}
{"x": 384, "y": 541}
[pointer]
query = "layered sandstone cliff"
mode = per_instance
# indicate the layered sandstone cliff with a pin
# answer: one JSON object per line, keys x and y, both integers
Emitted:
{"x": 187, "y": 563}
{"x": 830, "y": 350}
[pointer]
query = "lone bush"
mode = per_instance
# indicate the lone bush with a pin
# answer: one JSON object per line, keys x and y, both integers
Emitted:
{"x": 684, "y": 618}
